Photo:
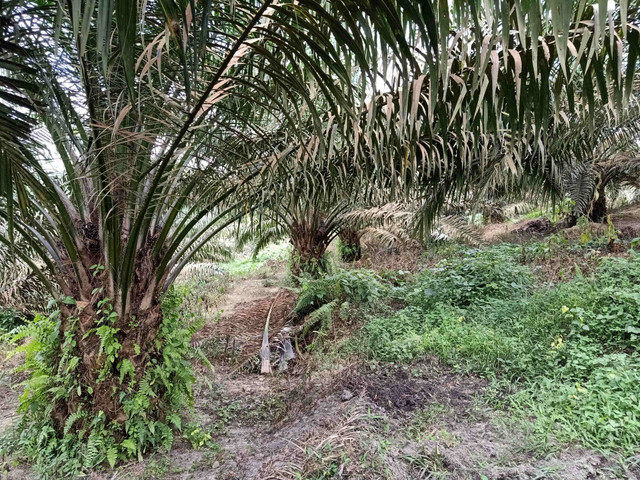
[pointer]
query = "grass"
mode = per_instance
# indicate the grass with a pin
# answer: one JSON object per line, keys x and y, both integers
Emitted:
{"x": 243, "y": 266}
{"x": 423, "y": 421}
{"x": 570, "y": 349}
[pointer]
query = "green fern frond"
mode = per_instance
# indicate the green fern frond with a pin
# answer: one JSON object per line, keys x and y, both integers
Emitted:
{"x": 112, "y": 456}
{"x": 73, "y": 418}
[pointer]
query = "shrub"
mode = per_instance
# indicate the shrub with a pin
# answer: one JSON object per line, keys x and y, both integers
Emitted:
{"x": 9, "y": 319}
{"x": 475, "y": 276}
{"x": 353, "y": 286}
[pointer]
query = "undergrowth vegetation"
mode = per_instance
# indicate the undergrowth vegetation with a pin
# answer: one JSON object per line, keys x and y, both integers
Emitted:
{"x": 9, "y": 319}
{"x": 570, "y": 349}
{"x": 339, "y": 295}
{"x": 154, "y": 401}
{"x": 244, "y": 265}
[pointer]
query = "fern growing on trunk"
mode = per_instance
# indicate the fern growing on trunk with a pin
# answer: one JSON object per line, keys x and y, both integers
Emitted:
{"x": 66, "y": 427}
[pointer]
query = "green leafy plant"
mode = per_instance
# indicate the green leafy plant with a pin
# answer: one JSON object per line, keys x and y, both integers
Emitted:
{"x": 152, "y": 400}
{"x": 476, "y": 275}
{"x": 320, "y": 299}
{"x": 198, "y": 436}
{"x": 9, "y": 319}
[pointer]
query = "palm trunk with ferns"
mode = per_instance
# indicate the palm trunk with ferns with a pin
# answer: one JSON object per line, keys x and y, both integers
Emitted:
{"x": 350, "y": 247}
{"x": 310, "y": 242}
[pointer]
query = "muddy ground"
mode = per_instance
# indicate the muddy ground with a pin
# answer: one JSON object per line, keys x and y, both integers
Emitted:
{"x": 350, "y": 419}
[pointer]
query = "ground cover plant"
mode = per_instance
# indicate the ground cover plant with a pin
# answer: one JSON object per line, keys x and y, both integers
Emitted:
{"x": 570, "y": 350}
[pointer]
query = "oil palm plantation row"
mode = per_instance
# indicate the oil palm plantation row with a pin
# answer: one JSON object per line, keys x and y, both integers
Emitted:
{"x": 159, "y": 119}
{"x": 133, "y": 133}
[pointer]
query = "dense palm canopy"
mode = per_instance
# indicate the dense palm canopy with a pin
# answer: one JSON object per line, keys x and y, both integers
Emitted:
{"x": 137, "y": 109}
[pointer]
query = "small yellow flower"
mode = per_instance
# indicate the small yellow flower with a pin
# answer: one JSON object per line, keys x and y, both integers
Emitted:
{"x": 565, "y": 309}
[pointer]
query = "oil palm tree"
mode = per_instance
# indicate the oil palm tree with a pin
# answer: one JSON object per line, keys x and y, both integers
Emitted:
{"x": 505, "y": 84}
{"x": 307, "y": 205}
{"x": 610, "y": 159}
{"x": 160, "y": 119}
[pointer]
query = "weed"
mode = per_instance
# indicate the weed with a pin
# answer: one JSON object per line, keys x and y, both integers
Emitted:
{"x": 158, "y": 469}
{"x": 571, "y": 349}
{"x": 269, "y": 407}
{"x": 223, "y": 415}
{"x": 419, "y": 424}
{"x": 430, "y": 465}
{"x": 208, "y": 459}
{"x": 199, "y": 437}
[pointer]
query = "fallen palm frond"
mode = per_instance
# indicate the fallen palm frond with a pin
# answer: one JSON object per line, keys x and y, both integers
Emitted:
{"x": 396, "y": 223}
{"x": 455, "y": 227}
{"x": 245, "y": 326}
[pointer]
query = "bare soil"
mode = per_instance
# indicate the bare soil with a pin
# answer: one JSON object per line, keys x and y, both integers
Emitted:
{"x": 625, "y": 219}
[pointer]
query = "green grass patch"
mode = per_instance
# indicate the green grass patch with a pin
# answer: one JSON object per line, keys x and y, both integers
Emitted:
{"x": 571, "y": 348}
{"x": 243, "y": 266}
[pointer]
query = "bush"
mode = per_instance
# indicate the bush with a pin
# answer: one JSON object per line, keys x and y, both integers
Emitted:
{"x": 9, "y": 319}
{"x": 336, "y": 296}
{"x": 475, "y": 276}
{"x": 353, "y": 286}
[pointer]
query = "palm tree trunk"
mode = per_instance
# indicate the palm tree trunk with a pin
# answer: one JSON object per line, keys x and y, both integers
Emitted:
{"x": 107, "y": 347}
{"x": 598, "y": 212}
{"x": 114, "y": 348}
{"x": 309, "y": 249}
{"x": 350, "y": 249}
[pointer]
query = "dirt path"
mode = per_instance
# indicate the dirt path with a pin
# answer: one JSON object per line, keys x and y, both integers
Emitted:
{"x": 248, "y": 290}
{"x": 244, "y": 308}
